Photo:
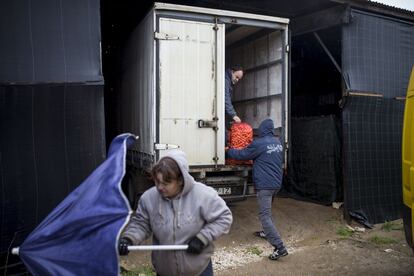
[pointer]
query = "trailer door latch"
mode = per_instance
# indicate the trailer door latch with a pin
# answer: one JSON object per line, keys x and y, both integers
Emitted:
{"x": 207, "y": 124}
{"x": 164, "y": 36}
{"x": 165, "y": 146}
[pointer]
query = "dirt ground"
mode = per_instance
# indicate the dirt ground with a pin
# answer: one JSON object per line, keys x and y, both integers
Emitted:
{"x": 318, "y": 240}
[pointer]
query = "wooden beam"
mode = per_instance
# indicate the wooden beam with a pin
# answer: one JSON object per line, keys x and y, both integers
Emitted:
{"x": 361, "y": 93}
{"x": 402, "y": 98}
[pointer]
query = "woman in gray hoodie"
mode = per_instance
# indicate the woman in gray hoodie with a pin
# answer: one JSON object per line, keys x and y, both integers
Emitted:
{"x": 178, "y": 210}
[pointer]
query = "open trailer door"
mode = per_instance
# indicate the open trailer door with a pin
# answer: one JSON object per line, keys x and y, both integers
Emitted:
{"x": 191, "y": 112}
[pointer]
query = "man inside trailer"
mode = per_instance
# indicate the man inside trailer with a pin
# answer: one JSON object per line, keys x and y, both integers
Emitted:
{"x": 233, "y": 76}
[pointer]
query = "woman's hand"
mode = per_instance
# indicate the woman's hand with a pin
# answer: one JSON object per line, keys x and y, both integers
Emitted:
{"x": 195, "y": 246}
{"x": 123, "y": 246}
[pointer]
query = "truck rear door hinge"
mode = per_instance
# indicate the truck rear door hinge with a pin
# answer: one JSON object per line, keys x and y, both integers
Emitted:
{"x": 164, "y": 36}
{"x": 287, "y": 48}
{"x": 165, "y": 146}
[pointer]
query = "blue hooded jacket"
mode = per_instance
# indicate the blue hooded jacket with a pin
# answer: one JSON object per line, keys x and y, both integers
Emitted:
{"x": 266, "y": 151}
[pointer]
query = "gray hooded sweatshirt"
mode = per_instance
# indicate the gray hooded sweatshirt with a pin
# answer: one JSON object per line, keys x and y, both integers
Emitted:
{"x": 197, "y": 211}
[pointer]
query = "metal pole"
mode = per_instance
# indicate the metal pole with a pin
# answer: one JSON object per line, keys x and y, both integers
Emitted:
{"x": 156, "y": 247}
{"x": 331, "y": 57}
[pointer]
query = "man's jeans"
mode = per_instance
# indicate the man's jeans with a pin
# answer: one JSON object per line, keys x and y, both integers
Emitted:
{"x": 264, "y": 199}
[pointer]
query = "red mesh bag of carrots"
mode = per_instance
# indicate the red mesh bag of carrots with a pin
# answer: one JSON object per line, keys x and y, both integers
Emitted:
{"x": 241, "y": 135}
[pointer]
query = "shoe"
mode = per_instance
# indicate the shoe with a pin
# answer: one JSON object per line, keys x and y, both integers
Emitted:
{"x": 277, "y": 253}
{"x": 260, "y": 234}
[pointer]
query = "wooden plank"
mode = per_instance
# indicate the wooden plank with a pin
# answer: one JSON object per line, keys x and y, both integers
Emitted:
{"x": 366, "y": 94}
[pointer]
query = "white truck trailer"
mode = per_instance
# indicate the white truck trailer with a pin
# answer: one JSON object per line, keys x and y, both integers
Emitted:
{"x": 172, "y": 94}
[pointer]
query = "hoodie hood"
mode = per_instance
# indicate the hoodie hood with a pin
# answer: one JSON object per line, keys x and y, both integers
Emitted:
{"x": 266, "y": 128}
{"x": 181, "y": 159}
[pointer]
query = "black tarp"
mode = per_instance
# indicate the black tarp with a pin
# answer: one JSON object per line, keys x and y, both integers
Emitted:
{"x": 372, "y": 134}
{"x": 52, "y": 132}
{"x": 50, "y": 41}
{"x": 52, "y": 137}
{"x": 377, "y": 54}
{"x": 314, "y": 167}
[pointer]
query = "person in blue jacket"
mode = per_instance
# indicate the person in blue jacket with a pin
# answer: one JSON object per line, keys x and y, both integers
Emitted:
{"x": 266, "y": 151}
{"x": 233, "y": 76}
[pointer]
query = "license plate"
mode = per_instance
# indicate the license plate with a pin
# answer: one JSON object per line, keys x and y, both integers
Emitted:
{"x": 224, "y": 191}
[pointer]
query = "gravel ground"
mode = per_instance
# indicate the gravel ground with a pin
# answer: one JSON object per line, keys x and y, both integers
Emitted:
{"x": 243, "y": 254}
{"x": 318, "y": 240}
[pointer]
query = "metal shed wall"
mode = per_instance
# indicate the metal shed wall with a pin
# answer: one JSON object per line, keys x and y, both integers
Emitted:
{"x": 50, "y": 41}
{"x": 377, "y": 53}
{"x": 52, "y": 132}
{"x": 377, "y": 56}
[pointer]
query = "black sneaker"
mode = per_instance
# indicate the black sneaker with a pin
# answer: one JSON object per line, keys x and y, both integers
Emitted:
{"x": 260, "y": 234}
{"x": 277, "y": 253}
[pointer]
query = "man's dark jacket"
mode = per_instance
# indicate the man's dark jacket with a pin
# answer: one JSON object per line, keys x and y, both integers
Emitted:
{"x": 266, "y": 152}
{"x": 230, "y": 112}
